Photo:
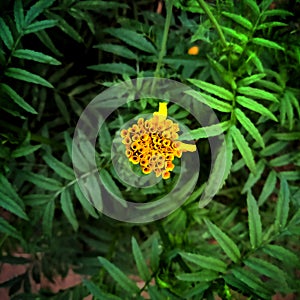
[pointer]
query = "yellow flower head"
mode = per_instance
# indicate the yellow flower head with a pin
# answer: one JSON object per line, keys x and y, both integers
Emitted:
{"x": 153, "y": 143}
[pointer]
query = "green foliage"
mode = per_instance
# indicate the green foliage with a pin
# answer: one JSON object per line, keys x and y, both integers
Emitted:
{"x": 56, "y": 56}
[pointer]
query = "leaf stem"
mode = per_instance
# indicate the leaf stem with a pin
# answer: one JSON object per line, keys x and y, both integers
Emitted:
{"x": 162, "y": 52}
{"x": 214, "y": 21}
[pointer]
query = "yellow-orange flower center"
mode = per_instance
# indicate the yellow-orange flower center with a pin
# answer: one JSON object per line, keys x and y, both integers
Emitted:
{"x": 152, "y": 143}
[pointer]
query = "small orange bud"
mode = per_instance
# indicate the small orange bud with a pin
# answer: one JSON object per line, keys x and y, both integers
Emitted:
{"x": 193, "y": 50}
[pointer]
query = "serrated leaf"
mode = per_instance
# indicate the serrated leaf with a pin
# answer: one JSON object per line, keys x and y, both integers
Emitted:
{"x": 58, "y": 167}
{"x": 205, "y": 132}
{"x": 282, "y": 160}
{"x": 252, "y": 179}
{"x": 140, "y": 261}
{"x": 202, "y": 276}
{"x": 252, "y": 281}
{"x": 243, "y": 148}
{"x": 35, "y": 56}
{"x": 45, "y": 39}
{"x": 257, "y": 93}
{"x": 282, "y": 207}
{"x": 19, "y": 15}
{"x": 225, "y": 242}
{"x": 12, "y": 206}
{"x": 238, "y": 19}
{"x": 254, "y": 7}
{"x": 62, "y": 107}
{"x": 5, "y": 35}
{"x": 272, "y": 86}
{"x": 97, "y": 293}
{"x": 267, "y": 43}
{"x": 36, "y": 9}
{"x": 250, "y": 79}
{"x": 100, "y": 5}
{"x": 84, "y": 202}
{"x": 17, "y": 99}
{"x": 277, "y": 12}
{"x": 287, "y": 136}
{"x": 68, "y": 208}
{"x": 27, "y": 76}
{"x": 39, "y": 25}
{"x": 281, "y": 253}
{"x": 154, "y": 260}
{"x": 8, "y": 229}
{"x": 7, "y": 188}
{"x": 268, "y": 25}
{"x": 249, "y": 126}
{"x": 268, "y": 188}
{"x": 205, "y": 262}
{"x": 254, "y": 221}
{"x": 212, "y": 89}
{"x": 48, "y": 218}
{"x": 233, "y": 33}
{"x": 256, "y": 60}
{"x": 273, "y": 148}
{"x": 210, "y": 101}
{"x": 25, "y": 150}
{"x": 111, "y": 187}
{"x": 118, "y": 50}
{"x": 37, "y": 199}
{"x": 132, "y": 38}
{"x": 119, "y": 276}
{"x": 42, "y": 181}
{"x": 267, "y": 269}
{"x": 114, "y": 68}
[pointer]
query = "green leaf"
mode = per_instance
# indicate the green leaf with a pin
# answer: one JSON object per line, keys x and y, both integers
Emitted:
{"x": 36, "y": 9}
{"x": 154, "y": 261}
{"x": 8, "y": 229}
{"x": 257, "y": 93}
{"x": 272, "y": 86}
{"x": 254, "y": 221}
{"x": 111, "y": 186}
{"x": 114, "y": 68}
{"x": 205, "y": 132}
{"x": 252, "y": 281}
{"x": 97, "y": 293}
{"x": 205, "y": 262}
{"x": 42, "y": 181}
{"x": 273, "y": 148}
{"x": 35, "y": 56}
{"x": 45, "y": 39}
{"x": 238, "y": 19}
{"x": 256, "y": 60}
{"x": 7, "y": 188}
{"x": 267, "y": 43}
{"x": 250, "y": 79}
{"x": 48, "y": 218}
{"x": 268, "y": 25}
{"x": 287, "y": 136}
{"x": 58, "y": 167}
{"x": 39, "y": 25}
{"x": 119, "y": 276}
{"x": 282, "y": 160}
{"x": 27, "y": 76}
{"x": 100, "y": 5}
{"x": 16, "y": 98}
{"x": 225, "y": 242}
{"x": 132, "y": 38}
{"x": 277, "y": 12}
{"x": 210, "y": 101}
{"x": 140, "y": 261}
{"x": 202, "y": 276}
{"x": 118, "y": 50}
{"x": 84, "y": 202}
{"x": 25, "y": 150}
{"x": 62, "y": 107}
{"x": 267, "y": 269}
{"x": 212, "y": 89}
{"x": 233, "y": 33}
{"x": 68, "y": 208}
{"x": 252, "y": 179}
{"x": 19, "y": 15}
{"x": 243, "y": 147}
{"x": 5, "y": 35}
{"x": 282, "y": 254}
{"x": 282, "y": 207}
{"x": 268, "y": 188}
{"x": 254, "y": 7}
{"x": 249, "y": 126}
{"x": 12, "y": 206}
{"x": 37, "y": 199}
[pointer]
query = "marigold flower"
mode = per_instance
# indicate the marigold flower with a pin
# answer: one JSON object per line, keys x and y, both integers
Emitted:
{"x": 152, "y": 143}
{"x": 193, "y": 50}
